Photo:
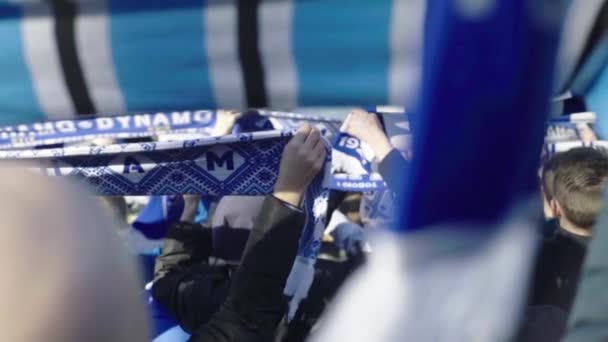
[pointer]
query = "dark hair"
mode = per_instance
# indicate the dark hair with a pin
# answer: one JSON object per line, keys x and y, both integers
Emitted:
{"x": 580, "y": 176}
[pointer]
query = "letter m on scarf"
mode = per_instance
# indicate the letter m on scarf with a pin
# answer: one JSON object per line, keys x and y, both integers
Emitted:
{"x": 227, "y": 158}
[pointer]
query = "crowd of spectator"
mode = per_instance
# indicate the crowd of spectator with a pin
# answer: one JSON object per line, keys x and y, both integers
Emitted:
{"x": 221, "y": 277}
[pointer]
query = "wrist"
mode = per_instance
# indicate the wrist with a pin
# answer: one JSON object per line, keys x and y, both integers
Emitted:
{"x": 381, "y": 147}
{"x": 189, "y": 214}
{"x": 291, "y": 197}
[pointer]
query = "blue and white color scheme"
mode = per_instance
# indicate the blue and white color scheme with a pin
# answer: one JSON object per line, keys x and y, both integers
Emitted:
{"x": 241, "y": 164}
{"x": 302, "y": 272}
{"x": 115, "y": 127}
{"x": 158, "y": 215}
{"x": 155, "y": 125}
{"x": 244, "y": 164}
{"x": 564, "y": 146}
{"x": 455, "y": 267}
{"x": 562, "y": 131}
{"x": 130, "y": 56}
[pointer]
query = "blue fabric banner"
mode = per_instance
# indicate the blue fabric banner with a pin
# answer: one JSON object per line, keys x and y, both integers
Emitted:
{"x": 124, "y": 56}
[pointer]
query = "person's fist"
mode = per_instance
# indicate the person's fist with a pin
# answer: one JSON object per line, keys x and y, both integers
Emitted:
{"x": 585, "y": 132}
{"x": 303, "y": 158}
{"x": 361, "y": 124}
{"x": 226, "y": 119}
{"x": 367, "y": 128}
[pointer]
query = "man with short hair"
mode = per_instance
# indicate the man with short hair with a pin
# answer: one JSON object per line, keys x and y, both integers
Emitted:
{"x": 578, "y": 186}
{"x": 547, "y": 178}
{"x": 551, "y": 223}
{"x": 579, "y": 176}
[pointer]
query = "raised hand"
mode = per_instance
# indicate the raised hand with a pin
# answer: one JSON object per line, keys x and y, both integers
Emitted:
{"x": 367, "y": 127}
{"x": 302, "y": 159}
{"x": 226, "y": 119}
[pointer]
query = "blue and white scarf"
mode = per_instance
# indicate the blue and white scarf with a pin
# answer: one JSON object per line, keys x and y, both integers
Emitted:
{"x": 551, "y": 149}
{"x": 568, "y": 127}
{"x": 114, "y": 127}
{"x": 240, "y": 164}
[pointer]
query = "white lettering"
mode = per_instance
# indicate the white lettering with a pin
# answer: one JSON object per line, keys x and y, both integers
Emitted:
{"x": 352, "y": 143}
{"x": 23, "y": 128}
{"x": 349, "y": 142}
{"x": 124, "y": 121}
{"x": 104, "y": 123}
{"x": 160, "y": 119}
{"x": 65, "y": 126}
{"x": 142, "y": 120}
{"x": 47, "y": 127}
{"x": 182, "y": 118}
{"x": 204, "y": 117}
{"x": 129, "y": 167}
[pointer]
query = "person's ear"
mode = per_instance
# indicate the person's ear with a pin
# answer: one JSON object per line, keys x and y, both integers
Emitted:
{"x": 547, "y": 208}
{"x": 555, "y": 208}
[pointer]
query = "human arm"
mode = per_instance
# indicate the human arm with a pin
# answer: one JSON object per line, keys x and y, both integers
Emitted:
{"x": 367, "y": 128}
{"x": 186, "y": 244}
{"x": 256, "y": 302}
{"x": 226, "y": 119}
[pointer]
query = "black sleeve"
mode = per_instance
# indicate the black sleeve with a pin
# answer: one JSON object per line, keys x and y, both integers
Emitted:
{"x": 393, "y": 169}
{"x": 544, "y": 276}
{"x": 186, "y": 244}
{"x": 256, "y": 303}
{"x": 184, "y": 284}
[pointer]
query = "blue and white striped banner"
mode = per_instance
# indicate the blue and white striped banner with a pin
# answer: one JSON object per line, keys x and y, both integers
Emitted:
{"x": 572, "y": 127}
{"x": 199, "y": 122}
{"x": 563, "y": 146}
{"x": 66, "y": 58}
{"x": 115, "y": 127}
{"x": 151, "y": 168}
{"x": 202, "y": 122}
{"x": 242, "y": 164}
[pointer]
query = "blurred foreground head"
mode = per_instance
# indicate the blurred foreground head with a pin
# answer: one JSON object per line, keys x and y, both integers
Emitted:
{"x": 65, "y": 275}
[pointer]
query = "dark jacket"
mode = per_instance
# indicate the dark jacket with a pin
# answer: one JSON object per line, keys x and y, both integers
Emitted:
{"x": 557, "y": 271}
{"x": 255, "y": 302}
{"x": 543, "y": 323}
{"x": 393, "y": 169}
{"x": 184, "y": 283}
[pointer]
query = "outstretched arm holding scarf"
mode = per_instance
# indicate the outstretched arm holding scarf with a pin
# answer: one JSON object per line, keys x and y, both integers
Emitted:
{"x": 256, "y": 303}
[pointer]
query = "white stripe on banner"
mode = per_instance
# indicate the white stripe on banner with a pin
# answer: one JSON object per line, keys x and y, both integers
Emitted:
{"x": 564, "y": 146}
{"x": 42, "y": 58}
{"x": 220, "y": 19}
{"x": 159, "y": 124}
{"x": 276, "y": 49}
{"x": 407, "y": 23}
{"x": 95, "y": 54}
{"x": 216, "y": 166}
{"x": 579, "y": 22}
{"x": 116, "y": 127}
